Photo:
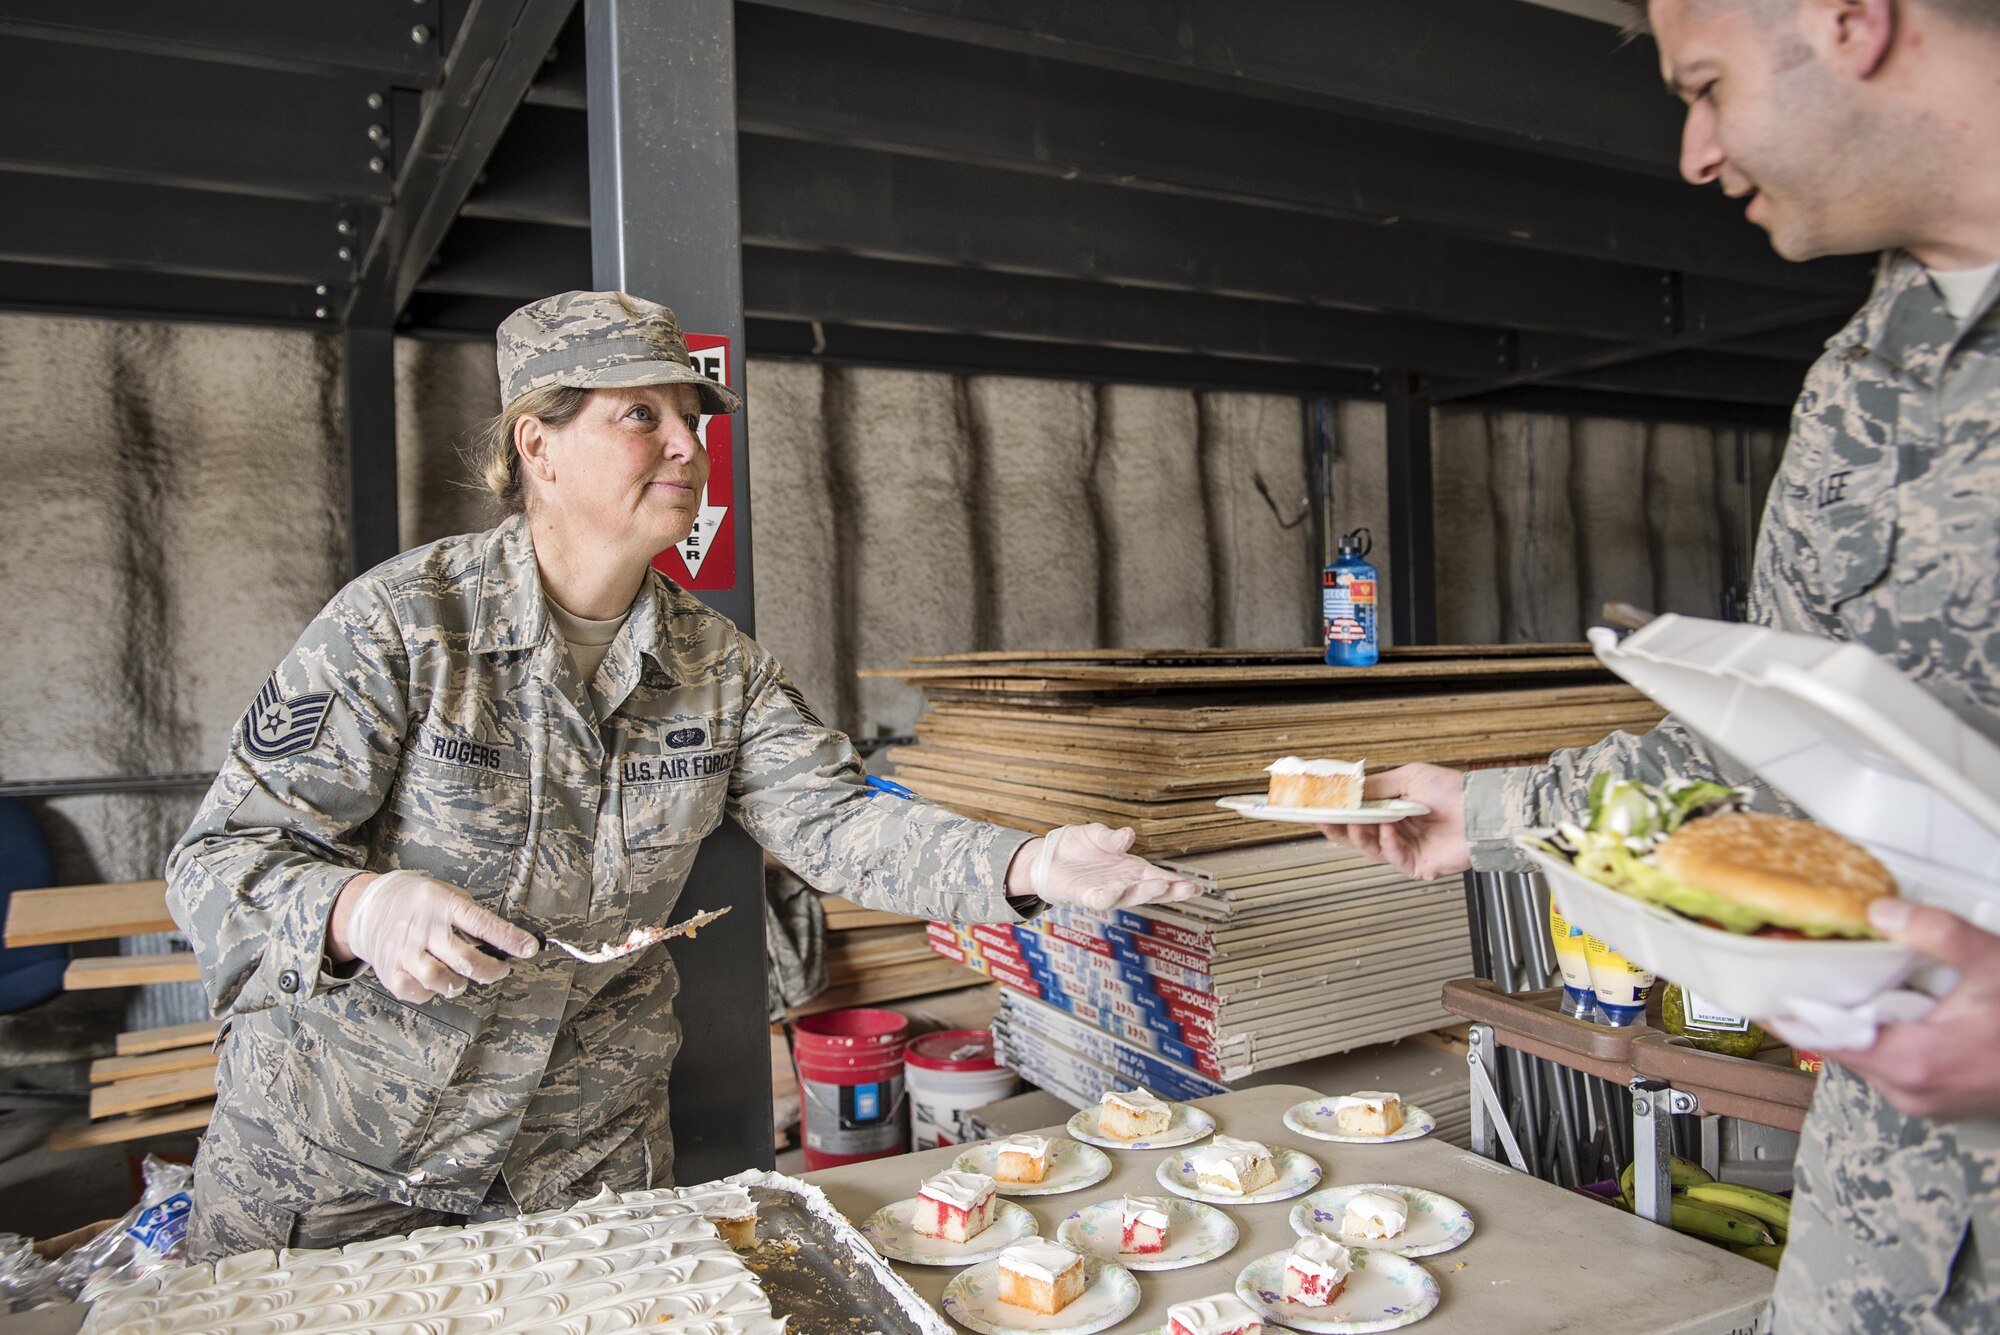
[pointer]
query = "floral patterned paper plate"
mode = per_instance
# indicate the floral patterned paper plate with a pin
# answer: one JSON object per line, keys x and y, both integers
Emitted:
{"x": 1188, "y": 1125}
{"x": 1384, "y": 1292}
{"x": 890, "y": 1229}
{"x": 1316, "y": 1118}
{"x": 972, "y": 1299}
{"x": 1297, "y": 1174}
{"x": 1436, "y": 1224}
{"x": 1072, "y": 1167}
{"x": 1195, "y": 1233}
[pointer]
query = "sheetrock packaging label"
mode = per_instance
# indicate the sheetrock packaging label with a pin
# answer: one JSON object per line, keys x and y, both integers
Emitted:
{"x": 1707, "y": 1015}
{"x": 854, "y": 1119}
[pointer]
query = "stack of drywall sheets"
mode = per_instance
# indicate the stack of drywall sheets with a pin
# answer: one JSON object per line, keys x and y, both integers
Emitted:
{"x": 1151, "y": 741}
{"x": 1293, "y": 951}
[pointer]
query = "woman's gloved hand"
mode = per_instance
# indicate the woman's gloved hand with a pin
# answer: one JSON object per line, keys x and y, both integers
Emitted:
{"x": 1089, "y": 866}
{"x": 419, "y": 935}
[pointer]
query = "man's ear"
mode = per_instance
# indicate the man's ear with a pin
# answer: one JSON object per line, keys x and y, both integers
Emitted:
{"x": 531, "y": 442}
{"x": 1851, "y": 37}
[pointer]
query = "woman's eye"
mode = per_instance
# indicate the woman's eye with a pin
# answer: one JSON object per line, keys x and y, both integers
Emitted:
{"x": 693, "y": 421}
{"x": 640, "y": 411}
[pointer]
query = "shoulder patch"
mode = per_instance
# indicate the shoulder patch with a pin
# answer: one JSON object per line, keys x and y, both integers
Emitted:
{"x": 277, "y": 727}
{"x": 798, "y": 700}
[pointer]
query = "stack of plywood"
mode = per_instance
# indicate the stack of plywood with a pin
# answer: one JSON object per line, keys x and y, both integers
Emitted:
{"x": 1152, "y": 740}
{"x": 875, "y": 957}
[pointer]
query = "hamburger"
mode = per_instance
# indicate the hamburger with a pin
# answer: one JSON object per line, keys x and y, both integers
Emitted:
{"x": 1693, "y": 849}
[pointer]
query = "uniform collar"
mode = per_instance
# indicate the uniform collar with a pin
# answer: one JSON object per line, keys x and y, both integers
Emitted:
{"x": 511, "y": 615}
{"x": 1904, "y": 321}
{"x": 644, "y": 635}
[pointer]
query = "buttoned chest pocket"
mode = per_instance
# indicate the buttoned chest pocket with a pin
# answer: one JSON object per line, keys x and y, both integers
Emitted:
{"x": 676, "y": 814}
{"x": 1849, "y": 486}
{"x": 461, "y": 824}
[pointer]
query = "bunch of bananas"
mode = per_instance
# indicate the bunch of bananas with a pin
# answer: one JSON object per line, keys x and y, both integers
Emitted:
{"x": 1749, "y": 1222}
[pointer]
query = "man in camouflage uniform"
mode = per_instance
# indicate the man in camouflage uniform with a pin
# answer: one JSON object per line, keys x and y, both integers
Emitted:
{"x": 432, "y": 725}
{"x": 1851, "y": 126}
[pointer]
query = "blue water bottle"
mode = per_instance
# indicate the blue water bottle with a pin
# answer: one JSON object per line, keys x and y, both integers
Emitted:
{"x": 1347, "y": 604}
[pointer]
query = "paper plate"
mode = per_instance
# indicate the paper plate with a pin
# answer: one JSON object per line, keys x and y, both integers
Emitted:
{"x": 1195, "y": 1233}
{"x": 889, "y": 1228}
{"x": 972, "y": 1299}
{"x": 1384, "y": 1292}
{"x": 1317, "y": 1118}
{"x": 1436, "y": 1223}
{"x": 1377, "y": 811}
{"x": 1188, "y": 1125}
{"x": 1297, "y": 1174}
{"x": 1072, "y": 1167}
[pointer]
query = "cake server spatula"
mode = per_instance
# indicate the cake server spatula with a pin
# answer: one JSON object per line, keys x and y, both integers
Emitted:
{"x": 637, "y": 939}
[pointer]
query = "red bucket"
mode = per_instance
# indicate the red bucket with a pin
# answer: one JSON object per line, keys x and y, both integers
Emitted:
{"x": 851, "y": 1085}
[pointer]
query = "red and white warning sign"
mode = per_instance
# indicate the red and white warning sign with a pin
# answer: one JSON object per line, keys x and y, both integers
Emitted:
{"x": 707, "y": 559}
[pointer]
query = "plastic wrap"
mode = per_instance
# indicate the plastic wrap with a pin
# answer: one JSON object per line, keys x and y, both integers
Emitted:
{"x": 26, "y": 1280}
{"x": 151, "y": 1236}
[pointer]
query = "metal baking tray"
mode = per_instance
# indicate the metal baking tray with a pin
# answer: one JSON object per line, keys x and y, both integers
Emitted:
{"x": 819, "y": 1271}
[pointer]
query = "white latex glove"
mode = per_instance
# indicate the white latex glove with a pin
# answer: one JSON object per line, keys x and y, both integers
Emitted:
{"x": 1088, "y": 865}
{"x": 420, "y": 936}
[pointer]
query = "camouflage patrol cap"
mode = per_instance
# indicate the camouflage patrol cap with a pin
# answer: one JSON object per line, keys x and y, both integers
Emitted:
{"x": 600, "y": 340}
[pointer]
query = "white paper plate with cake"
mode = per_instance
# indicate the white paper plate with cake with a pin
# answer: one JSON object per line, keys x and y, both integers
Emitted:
{"x": 1150, "y": 1232}
{"x": 1365, "y": 1117}
{"x": 1041, "y": 1286}
{"x": 1320, "y": 792}
{"x": 1382, "y": 1216}
{"x": 1136, "y": 1119}
{"x": 1030, "y": 1165}
{"x": 1228, "y": 1171}
{"x": 956, "y": 1218}
{"x": 1372, "y": 1291}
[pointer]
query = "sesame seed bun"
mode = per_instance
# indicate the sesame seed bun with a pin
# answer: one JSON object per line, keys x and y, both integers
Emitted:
{"x": 1798, "y": 873}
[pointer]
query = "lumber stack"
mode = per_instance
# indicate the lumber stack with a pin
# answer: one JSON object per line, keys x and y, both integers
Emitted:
{"x": 1152, "y": 740}
{"x": 1293, "y": 951}
{"x": 874, "y": 957}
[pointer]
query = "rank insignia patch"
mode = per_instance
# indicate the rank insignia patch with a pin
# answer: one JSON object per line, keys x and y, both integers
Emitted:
{"x": 798, "y": 699}
{"x": 277, "y": 727}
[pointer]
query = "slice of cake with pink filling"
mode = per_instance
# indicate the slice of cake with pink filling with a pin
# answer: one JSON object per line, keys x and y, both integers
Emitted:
{"x": 1223, "y": 1314}
{"x": 1316, "y": 1271}
{"x": 955, "y": 1206}
{"x": 1142, "y": 1225}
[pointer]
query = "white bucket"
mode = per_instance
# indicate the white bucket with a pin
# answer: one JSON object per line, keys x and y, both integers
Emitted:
{"x": 946, "y": 1076}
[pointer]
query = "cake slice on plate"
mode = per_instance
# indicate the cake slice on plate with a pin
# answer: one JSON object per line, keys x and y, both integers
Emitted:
{"x": 954, "y": 1206}
{"x": 1232, "y": 1167}
{"x": 1333, "y": 785}
{"x": 1316, "y": 1271}
{"x": 1224, "y": 1314}
{"x": 1142, "y": 1225}
{"x": 1376, "y": 1215}
{"x": 1133, "y": 1113}
{"x": 1022, "y": 1158}
{"x": 1369, "y": 1112}
{"x": 1041, "y": 1276}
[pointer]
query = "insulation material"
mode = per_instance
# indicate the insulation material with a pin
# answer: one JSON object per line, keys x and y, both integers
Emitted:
{"x": 794, "y": 534}
{"x": 1358, "y": 483}
{"x": 1260, "y": 505}
{"x": 1470, "y": 554}
{"x": 444, "y": 393}
{"x": 1035, "y": 441}
{"x": 1682, "y": 519}
{"x": 1158, "y": 586}
{"x": 903, "y": 471}
{"x": 1607, "y": 467}
{"x": 1538, "y": 594}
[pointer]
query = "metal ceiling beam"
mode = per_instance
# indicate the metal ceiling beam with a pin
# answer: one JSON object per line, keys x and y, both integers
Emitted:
{"x": 806, "y": 77}
{"x": 117, "y": 294}
{"x": 166, "y": 229}
{"x": 1700, "y": 375}
{"x": 394, "y": 41}
{"x": 1637, "y": 407}
{"x": 500, "y": 45}
{"x": 83, "y": 111}
{"x": 1487, "y": 69}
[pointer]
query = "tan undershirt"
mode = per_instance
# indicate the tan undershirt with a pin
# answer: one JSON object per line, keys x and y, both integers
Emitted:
{"x": 589, "y": 641}
{"x": 1962, "y": 288}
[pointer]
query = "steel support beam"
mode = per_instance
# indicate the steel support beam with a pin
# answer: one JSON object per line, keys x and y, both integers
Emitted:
{"x": 500, "y": 45}
{"x": 1572, "y": 402}
{"x": 369, "y": 360}
{"x": 1468, "y": 67}
{"x": 1412, "y": 544}
{"x": 664, "y": 226}
{"x": 114, "y": 294}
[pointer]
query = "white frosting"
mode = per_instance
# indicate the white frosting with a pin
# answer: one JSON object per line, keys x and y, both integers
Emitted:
{"x": 1318, "y": 1255}
{"x": 1319, "y": 769}
{"x": 962, "y": 1191}
{"x": 1035, "y": 1147}
{"x": 1374, "y": 1100}
{"x": 1212, "y": 1316}
{"x": 1138, "y": 1100}
{"x": 1229, "y": 1159}
{"x": 1375, "y": 1214}
{"x": 1148, "y": 1210}
{"x": 1039, "y": 1259}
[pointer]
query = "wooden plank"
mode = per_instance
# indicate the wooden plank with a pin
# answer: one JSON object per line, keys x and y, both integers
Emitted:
{"x": 844, "y": 915}
{"x": 947, "y": 977}
{"x": 107, "y": 1069}
{"x": 151, "y": 1091}
{"x": 134, "y": 1042}
{"x": 176, "y": 966}
{"x": 1303, "y": 654}
{"x": 63, "y": 913}
{"x": 1064, "y": 679}
{"x": 84, "y": 1135}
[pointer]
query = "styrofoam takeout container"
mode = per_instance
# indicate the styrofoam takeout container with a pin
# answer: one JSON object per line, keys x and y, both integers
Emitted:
{"x": 1862, "y": 748}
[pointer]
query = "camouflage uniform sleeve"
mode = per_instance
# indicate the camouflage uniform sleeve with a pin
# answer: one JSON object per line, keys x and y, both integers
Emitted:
{"x": 253, "y": 880}
{"x": 800, "y": 790}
